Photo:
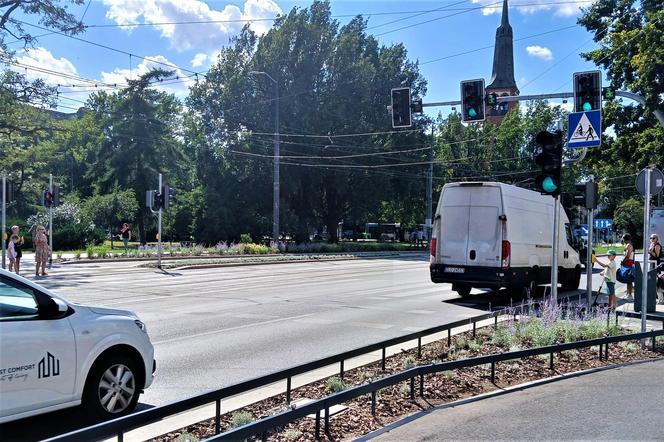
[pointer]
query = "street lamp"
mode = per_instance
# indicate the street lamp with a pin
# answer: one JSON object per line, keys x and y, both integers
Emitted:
{"x": 275, "y": 202}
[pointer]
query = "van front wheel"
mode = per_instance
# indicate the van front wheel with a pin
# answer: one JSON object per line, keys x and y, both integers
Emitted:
{"x": 462, "y": 290}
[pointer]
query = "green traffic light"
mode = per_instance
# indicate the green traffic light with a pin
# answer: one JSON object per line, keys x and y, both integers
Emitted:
{"x": 549, "y": 185}
{"x": 587, "y": 106}
{"x": 472, "y": 112}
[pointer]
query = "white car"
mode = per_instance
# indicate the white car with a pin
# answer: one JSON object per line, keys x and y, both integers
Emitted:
{"x": 56, "y": 354}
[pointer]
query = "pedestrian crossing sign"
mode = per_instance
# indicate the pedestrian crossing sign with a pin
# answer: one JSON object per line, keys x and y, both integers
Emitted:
{"x": 584, "y": 129}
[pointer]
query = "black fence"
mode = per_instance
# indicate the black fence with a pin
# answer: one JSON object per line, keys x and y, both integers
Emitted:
{"x": 118, "y": 427}
{"x": 265, "y": 425}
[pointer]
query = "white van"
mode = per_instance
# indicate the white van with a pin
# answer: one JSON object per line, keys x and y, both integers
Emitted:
{"x": 494, "y": 235}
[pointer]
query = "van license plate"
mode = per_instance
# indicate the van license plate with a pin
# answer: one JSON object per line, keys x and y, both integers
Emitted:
{"x": 454, "y": 270}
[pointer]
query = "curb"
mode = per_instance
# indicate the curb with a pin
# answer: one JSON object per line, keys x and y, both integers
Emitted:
{"x": 500, "y": 392}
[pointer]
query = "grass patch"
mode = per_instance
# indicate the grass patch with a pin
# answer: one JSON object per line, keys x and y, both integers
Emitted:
{"x": 335, "y": 384}
{"x": 241, "y": 418}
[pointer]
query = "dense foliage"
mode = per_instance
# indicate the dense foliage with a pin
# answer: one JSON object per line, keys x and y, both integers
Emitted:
{"x": 341, "y": 162}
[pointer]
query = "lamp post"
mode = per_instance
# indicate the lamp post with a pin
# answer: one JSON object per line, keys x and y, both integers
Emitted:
{"x": 275, "y": 187}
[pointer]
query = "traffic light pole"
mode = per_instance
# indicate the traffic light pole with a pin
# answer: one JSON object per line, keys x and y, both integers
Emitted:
{"x": 589, "y": 252}
{"x": 159, "y": 224}
{"x": 554, "y": 248}
{"x": 430, "y": 189}
{"x": 4, "y": 220}
{"x": 50, "y": 223}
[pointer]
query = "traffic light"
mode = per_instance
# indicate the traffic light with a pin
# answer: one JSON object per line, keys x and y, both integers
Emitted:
{"x": 158, "y": 200}
{"x": 492, "y": 99}
{"x": 550, "y": 159}
{"x": 609, "y": 93}
{"x": 472, "y": 100}
{"x": 587, "y": 195}
{"x": 401, "y": 114}
{"x": 47, "y": 198}
{"x": 169, "y": 196}
{"x": 58, "y": 195}
{"x": 587, "y": 91}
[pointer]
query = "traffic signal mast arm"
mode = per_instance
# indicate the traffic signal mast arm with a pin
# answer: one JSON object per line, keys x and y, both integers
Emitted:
{"x": 639, "y": 99}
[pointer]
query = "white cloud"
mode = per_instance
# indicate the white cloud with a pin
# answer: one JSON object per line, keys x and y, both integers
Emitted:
{"x": 177, "y": 84}
{"x": 564, "y": 9}
{"x": 38, "y": 62}
{"x": 200, "y": 59}
{"x": 540, "y": 52}
{"x": 201, "y": 36}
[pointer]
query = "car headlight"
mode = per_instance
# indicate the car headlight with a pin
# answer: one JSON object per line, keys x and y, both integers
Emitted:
{"x": 140, "y": 324}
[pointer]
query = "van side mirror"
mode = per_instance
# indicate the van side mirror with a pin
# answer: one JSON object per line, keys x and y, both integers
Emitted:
{"x": 54, "y": 309}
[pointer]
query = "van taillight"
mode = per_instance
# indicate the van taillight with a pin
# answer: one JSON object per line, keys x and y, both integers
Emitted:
{"x": 507, "y": 248}
{"x": 433, "y": 246}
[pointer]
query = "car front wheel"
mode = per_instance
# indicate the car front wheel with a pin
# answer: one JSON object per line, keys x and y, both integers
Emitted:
{"x": 113, "y": 387}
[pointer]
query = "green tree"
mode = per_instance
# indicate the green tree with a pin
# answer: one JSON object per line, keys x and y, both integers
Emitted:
{"x": 629, "y": 218}
{"x": 112, "y": 209}
{"x": 140, "y": 129}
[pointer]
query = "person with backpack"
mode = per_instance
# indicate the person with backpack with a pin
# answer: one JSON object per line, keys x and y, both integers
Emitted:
{"x": 628, "y": 261}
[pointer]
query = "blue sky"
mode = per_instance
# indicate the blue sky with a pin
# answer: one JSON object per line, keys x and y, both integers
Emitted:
{"x": 543, "y": 63}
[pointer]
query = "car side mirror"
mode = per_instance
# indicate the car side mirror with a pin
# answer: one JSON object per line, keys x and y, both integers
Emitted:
{"x": 55, "y": 309}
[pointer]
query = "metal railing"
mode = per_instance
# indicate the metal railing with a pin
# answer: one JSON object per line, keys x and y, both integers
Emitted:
{"x": 323, "y": 405}
{"x": 118, "y": 427}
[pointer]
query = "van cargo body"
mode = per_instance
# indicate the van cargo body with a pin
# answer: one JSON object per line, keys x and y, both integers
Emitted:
{"x": 494, "y": 235}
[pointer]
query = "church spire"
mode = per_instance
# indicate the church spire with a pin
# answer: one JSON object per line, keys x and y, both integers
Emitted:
{"x": 503, "y": 55}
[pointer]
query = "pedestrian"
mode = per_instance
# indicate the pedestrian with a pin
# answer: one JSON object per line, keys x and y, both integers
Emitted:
{"x": 609, "y": 274}
{"x": 41, "y": 250}
{"x": 655, "y": 249}
{"x": 125, "y": 233}
{"x": 11, "y": 251}
{"x": 628, "y": 260}
{"x": 18, "y": 248}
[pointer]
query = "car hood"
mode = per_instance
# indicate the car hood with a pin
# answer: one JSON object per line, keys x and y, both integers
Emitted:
{"x": 111, "y": 311}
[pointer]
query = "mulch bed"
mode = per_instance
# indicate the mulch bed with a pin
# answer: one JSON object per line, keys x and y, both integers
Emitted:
{"x": 394, "y": 403}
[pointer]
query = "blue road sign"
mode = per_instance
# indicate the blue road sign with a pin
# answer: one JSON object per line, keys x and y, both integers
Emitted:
{"x": 584, "y": 129}
{"x": 603, "y": 223}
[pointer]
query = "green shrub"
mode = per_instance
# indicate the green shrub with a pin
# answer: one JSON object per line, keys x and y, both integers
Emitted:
{"x": 568, "y": 331}
{"x": 474, "y": 346}
{"x": 460, "y": 342}
{"x": 77, "y": 255}
{"x": 241, "y": 418}
{"x": 503, "y": 337}
{"x": 536, "y": 333}
{"x": 629, "y": 347}
{"x": 408, "y": 363}
{"x": 245, "y": 238}
{"x": 187, "y": 437}
{"x": 572, "y": 355}
{"x": 593, "y": 329}
{"x": 335, "y": 384}
{"x": 292, "y": 434}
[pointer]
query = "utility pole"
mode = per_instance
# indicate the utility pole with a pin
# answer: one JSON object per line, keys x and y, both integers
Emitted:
{"x": 50, "y": 222}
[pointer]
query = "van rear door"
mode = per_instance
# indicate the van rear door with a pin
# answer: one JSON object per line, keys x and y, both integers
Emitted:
{"x": 485, "y": 227}
{"x": 453, "y": 240}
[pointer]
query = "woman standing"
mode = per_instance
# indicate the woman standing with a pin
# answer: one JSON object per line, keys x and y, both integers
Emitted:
{"x": 41, "y": 250}
{"x": 126, "y": 236}
{"x": 18, "y": 246}
{"x": 655, "y": 249}
{"x": 628, "y": 260}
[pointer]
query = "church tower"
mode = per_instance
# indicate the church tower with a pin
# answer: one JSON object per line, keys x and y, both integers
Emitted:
{"x": 502, "y": 79}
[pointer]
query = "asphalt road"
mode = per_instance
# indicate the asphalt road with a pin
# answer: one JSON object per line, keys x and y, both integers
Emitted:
{"x": 215, "y": 327}
{"x": 616, "y": 404}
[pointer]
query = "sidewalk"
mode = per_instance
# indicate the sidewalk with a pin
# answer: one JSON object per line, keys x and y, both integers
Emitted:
{"x": 608, "y": 404}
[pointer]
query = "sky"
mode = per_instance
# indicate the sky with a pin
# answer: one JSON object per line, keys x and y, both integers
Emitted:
{"x": 547, "y": 43}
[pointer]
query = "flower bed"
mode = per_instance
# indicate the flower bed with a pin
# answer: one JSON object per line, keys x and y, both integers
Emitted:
{"x": 552, "y": 325}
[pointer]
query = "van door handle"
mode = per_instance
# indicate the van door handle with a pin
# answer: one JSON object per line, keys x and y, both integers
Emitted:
{"x": 566, "y": 254}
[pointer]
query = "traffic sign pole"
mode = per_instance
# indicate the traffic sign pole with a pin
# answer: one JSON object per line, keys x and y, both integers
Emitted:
{"x": 589, "y": 253}
{"x": 554, "y": 247}
{"x": 50, "y": 223}
{"x": 159, "y": 225}
{"x": 644, "y": 283}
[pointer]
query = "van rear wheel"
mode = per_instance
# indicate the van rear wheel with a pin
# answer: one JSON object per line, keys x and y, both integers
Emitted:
{"x": 462, "y": 290}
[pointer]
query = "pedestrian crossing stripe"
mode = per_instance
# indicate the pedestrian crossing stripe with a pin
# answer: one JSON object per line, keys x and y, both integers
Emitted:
{"x": 584, "y": 129}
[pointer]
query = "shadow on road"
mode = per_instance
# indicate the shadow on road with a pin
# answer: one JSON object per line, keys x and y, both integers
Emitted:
{"x": 50, "y": 424}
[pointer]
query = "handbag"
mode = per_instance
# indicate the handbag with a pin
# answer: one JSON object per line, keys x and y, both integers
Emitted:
{"x": 625, "y": 274}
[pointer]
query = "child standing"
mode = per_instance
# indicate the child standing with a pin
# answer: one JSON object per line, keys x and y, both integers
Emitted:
{"x": 609, "y": 274}
{"x": 11, "y": 251}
